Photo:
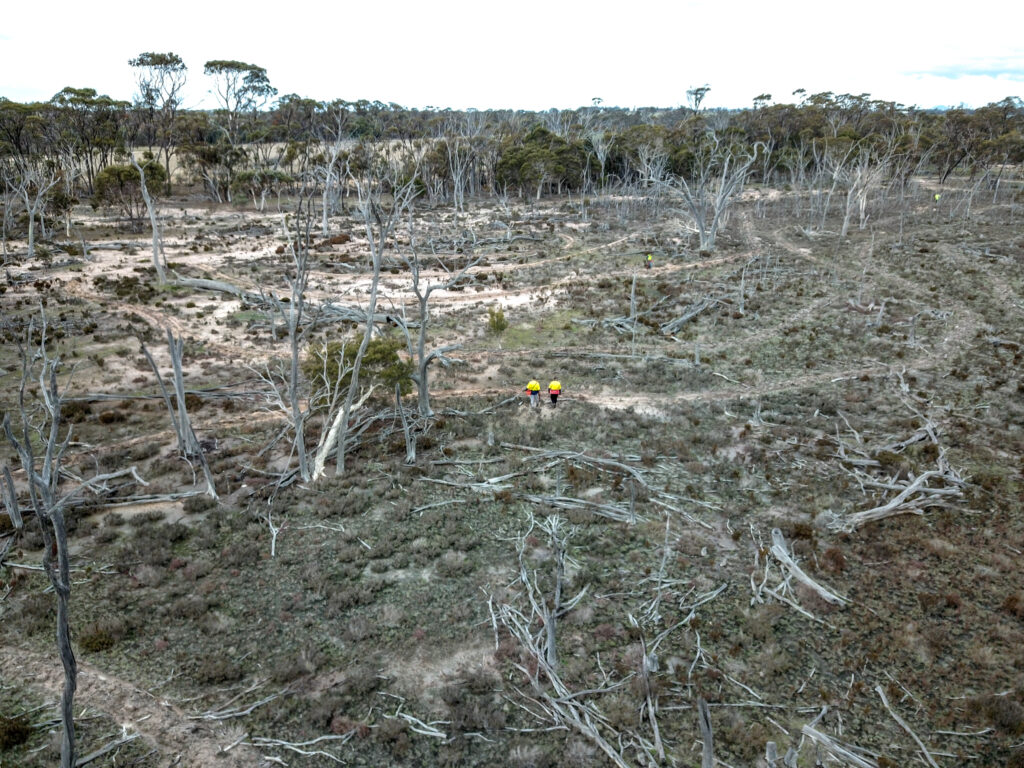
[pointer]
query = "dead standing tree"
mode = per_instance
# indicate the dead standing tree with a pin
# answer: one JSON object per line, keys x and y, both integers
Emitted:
{"x": 419, "y": 353}
{"x": 39, "y": 424}
{"x": 32, "y": 183}
{"x": 865, "y": 170}
{"x": 159, "y": 262}
{"x": 188, "y": 444}
{"x": 718, "y": 172}
{"x": 385, "y": 192}
{"x": 292, "y": 314}
{"x": 288, "y": 391}
{"x": 332, "y": 130}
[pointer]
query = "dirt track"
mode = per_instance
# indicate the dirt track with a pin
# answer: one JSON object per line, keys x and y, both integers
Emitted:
{"x": 163, "y": 726}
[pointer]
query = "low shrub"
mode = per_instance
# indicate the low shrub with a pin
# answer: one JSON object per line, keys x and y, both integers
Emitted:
{"x": 14, "y": 731}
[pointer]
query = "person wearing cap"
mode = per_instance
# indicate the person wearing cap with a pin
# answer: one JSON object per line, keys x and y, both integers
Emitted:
{"x": 554, "y": 390}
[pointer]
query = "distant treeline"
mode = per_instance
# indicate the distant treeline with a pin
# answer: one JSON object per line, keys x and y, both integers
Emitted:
{"x": 248, "y": 149}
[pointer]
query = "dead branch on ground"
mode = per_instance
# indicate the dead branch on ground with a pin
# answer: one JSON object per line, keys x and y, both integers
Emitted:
{"x": 905, "y": 727}
{"x": 781, "y": 551}
{"x": 887, "y": 469}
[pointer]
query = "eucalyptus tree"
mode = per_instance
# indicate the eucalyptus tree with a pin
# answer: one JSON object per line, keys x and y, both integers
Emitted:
{"x": 207, "y": 154}
{"x": 259, "y": 182}
{"x": 695, "y": 96}
{"x": 160, "y": 78}
{"x": 121, "y": 187}
{"x": 542, "y": 160}
{"x": 93, "y": 126}
{"x": 21, "y": 127}
{"x": 240, "y": 89}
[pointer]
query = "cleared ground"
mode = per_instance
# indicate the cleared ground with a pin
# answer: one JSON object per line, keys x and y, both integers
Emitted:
{"x": 822, "y": 378}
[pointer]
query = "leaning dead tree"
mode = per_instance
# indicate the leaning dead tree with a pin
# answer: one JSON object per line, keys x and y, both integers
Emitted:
{"x": 36, "y": 425}
{"x": 189, "y": 446}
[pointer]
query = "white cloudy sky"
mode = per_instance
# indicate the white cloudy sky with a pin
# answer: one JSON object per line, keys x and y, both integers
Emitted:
{"x": 533, "y": 54}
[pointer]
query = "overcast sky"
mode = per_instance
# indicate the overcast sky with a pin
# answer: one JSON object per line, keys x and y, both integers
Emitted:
{"x": 532, "y": 54}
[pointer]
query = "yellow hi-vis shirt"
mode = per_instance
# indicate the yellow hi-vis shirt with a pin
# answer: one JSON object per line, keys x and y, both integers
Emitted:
{"x": 533, "y": 386}
{"x": 555, "y": 387}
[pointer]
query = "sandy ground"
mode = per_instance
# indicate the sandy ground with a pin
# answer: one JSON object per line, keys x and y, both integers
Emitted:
{"x": 177, "y": 737}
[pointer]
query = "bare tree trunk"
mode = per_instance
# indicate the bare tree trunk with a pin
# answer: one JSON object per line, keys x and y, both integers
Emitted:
{"x": 190, "y": 445}
{"x": 410, "y": 438}
{"x": 10, "y": 503}
{"x": 704, "y": 720}
{"x": 423, "y": 358}
{"x": 33, "y": 186}
{"x": 43, "y": 481}
{"x": 293, "y": 316}
{"x": 358, "y": 362}
{"x": 158, "y": 261}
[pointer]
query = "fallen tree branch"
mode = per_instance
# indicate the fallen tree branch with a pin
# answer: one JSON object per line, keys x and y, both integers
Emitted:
{"x": 583, "y": 458}
{"x": 900, "y": 504}
{"x": 839, "y": 750}
{"x": 611, "y": 511}
{"x": 672, "y": 327}
{"x": 297, "y": 747}
{"x": 781, "y": 551}
{"x": 905, "y": 727}
{"x": 104, "y": 750}
{"x": 227, "y": 714}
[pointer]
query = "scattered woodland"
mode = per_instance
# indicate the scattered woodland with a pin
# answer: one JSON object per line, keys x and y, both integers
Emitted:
{"x": 271, "y": 492}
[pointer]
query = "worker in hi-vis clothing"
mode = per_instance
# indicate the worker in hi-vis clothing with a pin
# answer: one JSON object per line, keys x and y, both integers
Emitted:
{"x": 534, "y": 389}
{"x": 554, "y": 389}
{"x": 649, "y": 260}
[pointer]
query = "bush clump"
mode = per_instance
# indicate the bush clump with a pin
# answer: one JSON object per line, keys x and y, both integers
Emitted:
{"x": 496, "y": 321}
{"x": 328, "y": 368}
{"x": 101, "y": 635}
{"x": 14, "y": 731}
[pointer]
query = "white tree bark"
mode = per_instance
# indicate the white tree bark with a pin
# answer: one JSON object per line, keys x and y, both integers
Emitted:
{"x": 158, "y": 259}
